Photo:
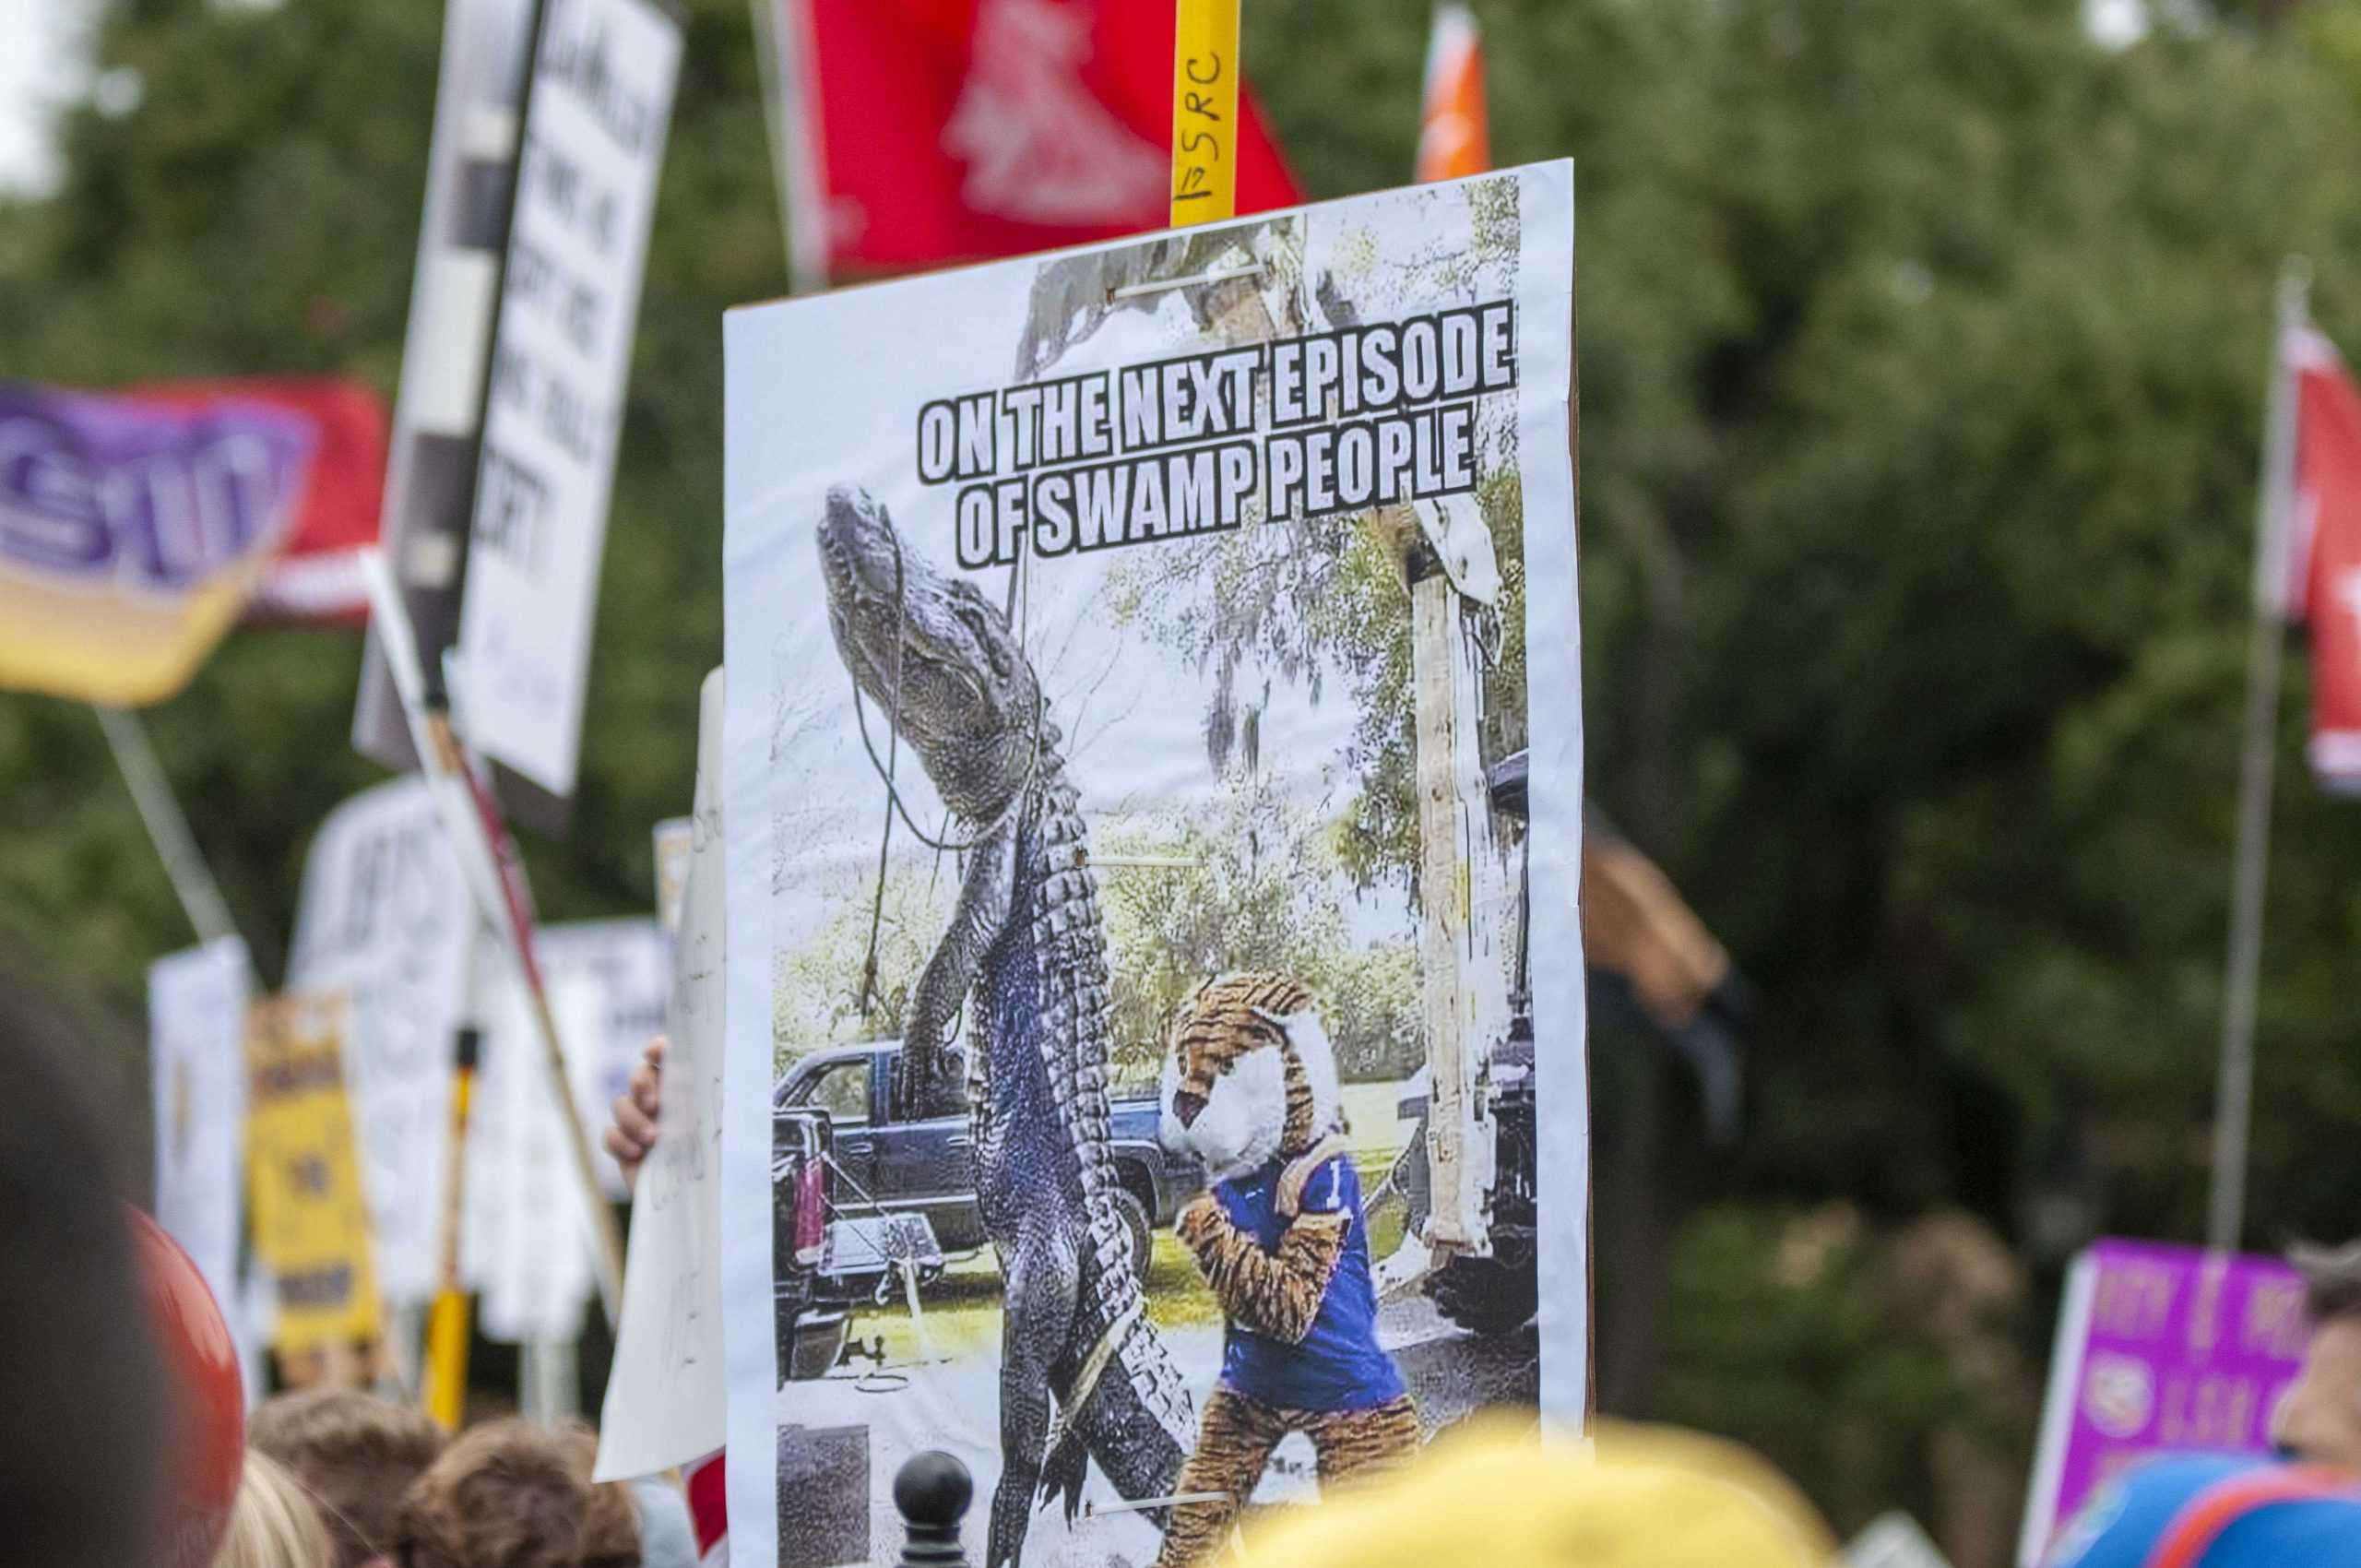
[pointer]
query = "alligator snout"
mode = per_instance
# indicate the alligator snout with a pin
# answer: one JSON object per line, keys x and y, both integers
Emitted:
{"x": 857, "y": 544}
{"x": 840, "y": 524}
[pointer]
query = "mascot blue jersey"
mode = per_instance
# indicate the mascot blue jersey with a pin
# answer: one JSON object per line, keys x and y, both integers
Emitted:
{"x": 1339, "y": 1364}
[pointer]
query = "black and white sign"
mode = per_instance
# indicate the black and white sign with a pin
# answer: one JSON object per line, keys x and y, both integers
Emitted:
{"x": 432, "y": 459}
{"x": 387, "y": 919}
{"x": 594, "y": 120}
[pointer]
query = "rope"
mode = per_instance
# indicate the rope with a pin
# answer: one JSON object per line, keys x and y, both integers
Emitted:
{"x": 1020, "y": 599}
{"x": 1086, "y": 1381}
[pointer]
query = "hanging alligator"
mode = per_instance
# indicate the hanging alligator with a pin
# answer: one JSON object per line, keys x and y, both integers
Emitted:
{"x": 1026, "y": 944}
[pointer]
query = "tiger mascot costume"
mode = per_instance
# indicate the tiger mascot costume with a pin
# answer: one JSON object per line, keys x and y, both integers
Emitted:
{"x": 1250, "y": 1088}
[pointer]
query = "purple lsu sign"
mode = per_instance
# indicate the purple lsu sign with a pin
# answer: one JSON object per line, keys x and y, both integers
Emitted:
{"x": 2159, "y": 1350}
{"x": 96, "y": 489}
{"x": 130, "y": 534}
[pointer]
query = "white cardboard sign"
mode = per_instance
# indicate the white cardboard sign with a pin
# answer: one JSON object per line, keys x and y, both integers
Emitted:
{"x": 594, "y": 119}
{"x": 386, "y": 917}
{"x": 626, "y": 966}
{"x": 196, "y": 1022}
{"x": 667, "y": 1398}
{"x": 533, "y": 1247}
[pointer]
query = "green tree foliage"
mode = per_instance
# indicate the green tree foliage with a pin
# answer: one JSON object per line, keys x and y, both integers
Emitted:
{"x": 1922, "y": 367}
{"x": 257, "y": 212}
{"x": 1253, "y": 883}
{"x": 1923, "y": 352}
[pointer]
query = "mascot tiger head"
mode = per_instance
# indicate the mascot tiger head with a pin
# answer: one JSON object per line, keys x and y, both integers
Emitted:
{"x": 1249, "y": 1074}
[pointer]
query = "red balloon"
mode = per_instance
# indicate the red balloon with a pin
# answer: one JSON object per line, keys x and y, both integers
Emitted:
{"x": 208, "y": 1396}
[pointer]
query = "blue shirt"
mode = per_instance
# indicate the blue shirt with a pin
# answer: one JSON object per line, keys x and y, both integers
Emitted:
{"x": 2124, "y": 1525}
{"x": 1339, "y": 1364}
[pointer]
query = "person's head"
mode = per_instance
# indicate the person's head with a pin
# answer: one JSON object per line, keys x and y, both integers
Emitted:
{"x": 84, "y": 1405}
{"x": 273, "y": 1522}
{"x": 357, "y": 1454}
{"x": 610, "y": 1536}
{"x": 1642, "y": 1497}
{"x": 2319, "y": 1419}
{"x": 506, "y": 1495}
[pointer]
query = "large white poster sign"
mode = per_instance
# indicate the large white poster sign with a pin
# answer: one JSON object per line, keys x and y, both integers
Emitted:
{"x": 196, "y": 1032}
{"x": 1129, "y": 776}
{"x": 387, "y": 919}
{"x": 595, "y": 118}
{"x": 666, "y": 1395}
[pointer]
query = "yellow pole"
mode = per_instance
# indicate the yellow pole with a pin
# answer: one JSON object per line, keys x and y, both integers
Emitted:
{"x": 446, "y": 1324}
{"x": 1205, "y": 112}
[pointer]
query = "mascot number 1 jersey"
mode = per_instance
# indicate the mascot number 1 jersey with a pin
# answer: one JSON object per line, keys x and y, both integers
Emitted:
{"x": 1338, "y": 1365}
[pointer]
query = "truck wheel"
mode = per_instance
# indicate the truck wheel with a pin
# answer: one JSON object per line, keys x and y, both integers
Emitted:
{"x": 1487, "y": 1295}
{"x": 1139, "y": 1231}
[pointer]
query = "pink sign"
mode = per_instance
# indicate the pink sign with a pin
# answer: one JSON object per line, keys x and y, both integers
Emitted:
{"x": 2160, "y": 1350}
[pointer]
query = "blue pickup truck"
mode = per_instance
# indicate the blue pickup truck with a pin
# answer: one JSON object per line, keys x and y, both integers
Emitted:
{"x": 923, "y": 1167}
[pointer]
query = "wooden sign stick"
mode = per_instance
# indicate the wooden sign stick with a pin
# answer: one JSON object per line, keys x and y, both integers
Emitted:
{"x": 1205, "y": 112}
{"x": 496, "y": 877}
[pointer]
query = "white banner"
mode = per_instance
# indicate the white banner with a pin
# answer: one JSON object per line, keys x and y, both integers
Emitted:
{"x": 530, "y": 1240}
{"x": 196, "y": 1033}
{"x": 594, "y": 119}
{"x": 627, "y": 967}
{"x": 666, "y": 1395}
{"x": 386, "y": 917}
{"x": 1179, "y": 599}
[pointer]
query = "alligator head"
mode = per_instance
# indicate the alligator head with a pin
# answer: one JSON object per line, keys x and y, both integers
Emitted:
{"x": 934, "y": 654}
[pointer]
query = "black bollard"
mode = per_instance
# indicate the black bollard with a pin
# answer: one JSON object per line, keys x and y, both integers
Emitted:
{"x": 931, "y": 1493}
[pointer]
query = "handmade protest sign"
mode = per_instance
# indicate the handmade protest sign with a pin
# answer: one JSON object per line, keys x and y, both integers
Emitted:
{"x": 431, "y": 464}
{"x": 1116, "y": 639}
{"x": 666, "y": 1395}
{"x": 529, "y": 1246}
{"x": 627, "y": 966}
{"x": 2158, "y": 1348}
{"x": 595, "y": 118}
{"x": 385, "y": 919}
{"x": 196, "y": 1032}
{"x": 131, "y": 533}
{"x": 311, "y": 1223}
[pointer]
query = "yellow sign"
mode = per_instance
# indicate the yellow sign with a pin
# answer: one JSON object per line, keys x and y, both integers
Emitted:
{"x": 311, "y": 1222}
{"x": 1205, "y": 112}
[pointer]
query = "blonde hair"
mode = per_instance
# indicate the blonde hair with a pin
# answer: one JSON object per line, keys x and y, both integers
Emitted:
{"x": 1641, "y": 1497}
{"x": 273, "y": 1523}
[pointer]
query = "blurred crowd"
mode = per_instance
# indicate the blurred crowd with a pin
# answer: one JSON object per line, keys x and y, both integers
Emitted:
{"x": 114, "y": 1447}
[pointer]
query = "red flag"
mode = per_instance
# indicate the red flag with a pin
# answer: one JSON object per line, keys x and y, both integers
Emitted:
{"x": 705, "y": 1482}
{"x": 2323, "y": 582}
{"x": 927, "y": 132}
{"x": 1454, "y": 131}
{"x": 317, "y": 575}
